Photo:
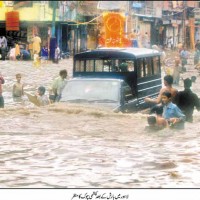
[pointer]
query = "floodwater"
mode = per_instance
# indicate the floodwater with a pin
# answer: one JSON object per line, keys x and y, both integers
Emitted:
{"x": 79, "y": 147}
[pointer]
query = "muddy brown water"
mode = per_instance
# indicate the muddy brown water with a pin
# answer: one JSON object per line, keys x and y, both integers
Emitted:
{"x": 79, "y": 147}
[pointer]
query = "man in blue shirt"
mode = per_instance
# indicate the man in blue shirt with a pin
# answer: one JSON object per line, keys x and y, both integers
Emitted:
{"x": 171, "y": 112}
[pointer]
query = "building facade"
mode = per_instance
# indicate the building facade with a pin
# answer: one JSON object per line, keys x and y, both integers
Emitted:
{"x": 36, "y": 17}
{"x": 78, "y": 23}
{"x": 146, "y": 18}
{"x": 178, "y": 21}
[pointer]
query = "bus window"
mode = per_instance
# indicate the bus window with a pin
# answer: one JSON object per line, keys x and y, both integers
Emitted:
{"x": 107, "y": 65}
{"x": 99, "y": 65}
{"x": 140, "y": 68}
{"x": 89, "y": 65}
{"x": 79, "y": 66}
{"x": 114, "y": 66}
{"x": 131, "y": 67}
{"x": 123, "y": 66}
{"x": 156, "y": 65}
{"x": 148, "y": 67}
{"x": 126, "y": 65}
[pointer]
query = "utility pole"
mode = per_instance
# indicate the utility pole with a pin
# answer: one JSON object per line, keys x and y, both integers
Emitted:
{"x": 53, "y": 19}
{"x": 52, "y": 44}
{"x": 184, "y": 19}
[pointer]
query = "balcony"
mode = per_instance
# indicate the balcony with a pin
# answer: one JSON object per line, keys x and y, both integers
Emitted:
{"x": 144, "y": 8}
{"x": 147, "y": 11}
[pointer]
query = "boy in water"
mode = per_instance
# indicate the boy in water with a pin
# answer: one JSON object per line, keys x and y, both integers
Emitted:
{"x": 160, "y": 121}
{"x": 168, "y": 81}
{"x": 156, "y": 122}
{"x": 18, "y": 87}
{"x": 41, "y": 97}
{"x": 171, "y": 112}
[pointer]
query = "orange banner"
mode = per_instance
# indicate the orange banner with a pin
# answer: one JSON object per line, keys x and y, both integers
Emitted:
{"x": 114, "y": 24}
{"x": 12, "y": 21}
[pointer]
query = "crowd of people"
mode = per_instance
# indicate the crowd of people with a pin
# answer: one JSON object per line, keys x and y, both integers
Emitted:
{"x": 138, "y": 40}
{"x": 55, "y": 90}
{"x": 172, "y": 107}
{"x": 32, "y": 51}
{"x": 27, "y": 51}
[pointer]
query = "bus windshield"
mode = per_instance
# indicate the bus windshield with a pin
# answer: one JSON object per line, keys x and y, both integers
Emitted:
{"x": 104, "y": 65}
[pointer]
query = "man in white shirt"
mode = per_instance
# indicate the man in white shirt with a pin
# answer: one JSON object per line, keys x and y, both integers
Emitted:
{"x": 58, "y": 85}
{"x": 3, "y": 46}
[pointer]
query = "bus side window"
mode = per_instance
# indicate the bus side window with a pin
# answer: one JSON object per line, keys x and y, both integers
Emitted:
{"x": 123, "y": 66}
{"x": 107, "y": 65}
{"x": 131, "y": 66}
{"x": 140, "y": 68}
{"x": 98, "y": 65}
{"x": 89, "y": 66}
{"x": 79, "y": 66}
{"x": 156, "y": 65}
{"x": 149, "y": 67}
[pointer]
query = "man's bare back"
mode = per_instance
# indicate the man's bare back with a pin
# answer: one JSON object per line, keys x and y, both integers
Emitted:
{"x": 168, "y": 80}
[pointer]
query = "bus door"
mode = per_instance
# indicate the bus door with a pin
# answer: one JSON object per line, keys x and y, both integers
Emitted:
{"x": 148, "y": 78}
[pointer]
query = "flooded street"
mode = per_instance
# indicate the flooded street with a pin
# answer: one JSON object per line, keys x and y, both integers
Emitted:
{"x": 79, "y": 147}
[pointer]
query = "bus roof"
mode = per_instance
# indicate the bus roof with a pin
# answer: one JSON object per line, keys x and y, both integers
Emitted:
{"x": 117, "y": 53}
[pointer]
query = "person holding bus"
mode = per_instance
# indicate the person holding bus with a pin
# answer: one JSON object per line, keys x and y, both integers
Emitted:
{"x": 168, "y": 81}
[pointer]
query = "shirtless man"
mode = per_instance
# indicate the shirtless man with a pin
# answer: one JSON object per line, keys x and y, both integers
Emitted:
{"x": 168, "y": 81}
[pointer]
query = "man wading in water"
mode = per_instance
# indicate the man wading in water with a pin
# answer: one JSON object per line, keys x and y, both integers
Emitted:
{"x": 57, "y": 86}
{"x": 186, "y": 100}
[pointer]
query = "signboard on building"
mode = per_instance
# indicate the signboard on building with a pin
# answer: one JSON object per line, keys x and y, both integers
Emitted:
{"x": 12, "y": 21}
{"x": 112, "y": 5}
{"x": 166, "y": 22}
{"x": 147, "y": 19}
{"x": 137, "y": 5}
{"x": 113, "y": 36}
